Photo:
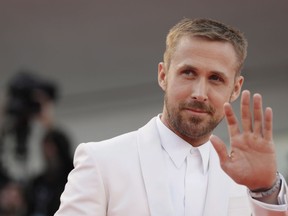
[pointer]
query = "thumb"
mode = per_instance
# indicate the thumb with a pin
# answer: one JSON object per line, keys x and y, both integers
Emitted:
{"x": 220, "y": 148}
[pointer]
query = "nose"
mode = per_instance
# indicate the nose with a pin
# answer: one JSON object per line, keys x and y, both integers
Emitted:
{"x": 199, "y": 90}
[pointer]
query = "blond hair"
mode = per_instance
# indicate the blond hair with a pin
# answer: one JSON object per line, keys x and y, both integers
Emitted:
{"x": 209, "y": 29}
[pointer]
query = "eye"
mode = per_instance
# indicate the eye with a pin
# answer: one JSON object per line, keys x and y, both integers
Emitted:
{"x": 189, "y": 73}
{"x": 216, "y": 78}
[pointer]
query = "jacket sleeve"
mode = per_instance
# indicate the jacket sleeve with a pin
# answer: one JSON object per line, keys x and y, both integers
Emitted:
{"x": 84, "y": 193}
{"x": 263, "y": 209}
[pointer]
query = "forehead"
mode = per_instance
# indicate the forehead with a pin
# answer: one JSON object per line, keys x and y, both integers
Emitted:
{"x": 205, "y": 53}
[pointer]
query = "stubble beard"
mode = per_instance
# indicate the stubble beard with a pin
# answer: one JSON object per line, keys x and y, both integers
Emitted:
{"x": 193, "y": 127}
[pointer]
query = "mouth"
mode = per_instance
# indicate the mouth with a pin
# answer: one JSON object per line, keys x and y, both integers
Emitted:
{"x": 197, "y": 108}
{"x": 197, "y": 111}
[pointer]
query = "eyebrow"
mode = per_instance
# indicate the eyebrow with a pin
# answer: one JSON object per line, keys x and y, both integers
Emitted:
{"x": 186, "y": 66}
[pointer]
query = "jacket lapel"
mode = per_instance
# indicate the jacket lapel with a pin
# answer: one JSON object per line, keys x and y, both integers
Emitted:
{"x": 217, "y": 196}
{"x": 155, "y": 177}
{"x": 153, "y": 170}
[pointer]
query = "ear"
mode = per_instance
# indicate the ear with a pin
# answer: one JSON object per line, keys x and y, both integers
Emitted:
{"x": 237, "y": 88}
{"x": 162, "y": 76}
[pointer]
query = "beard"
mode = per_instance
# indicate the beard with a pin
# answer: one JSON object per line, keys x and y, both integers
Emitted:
{"x": 193, "y": 127}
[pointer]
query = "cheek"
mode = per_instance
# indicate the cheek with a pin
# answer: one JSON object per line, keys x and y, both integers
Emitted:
{"x": 218, "y": 98}
{"x": 179, "y": 91}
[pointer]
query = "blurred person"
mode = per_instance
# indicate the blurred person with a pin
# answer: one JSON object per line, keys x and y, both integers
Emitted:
{"x": 12, "y": 200}
{"x": 28, "y": 111}
{"x": 40, "y": 165}
{"x": 174, "y": 165}
{"x": 45, "y": 189}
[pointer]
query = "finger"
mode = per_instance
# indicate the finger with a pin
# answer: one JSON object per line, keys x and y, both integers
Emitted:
{"x": 220, "y": 148}
{"x": 231, "y": 120}
{"x": 268, "y": 124}
{"x": 245, "y": 111}
{"x": 258, "y": 114}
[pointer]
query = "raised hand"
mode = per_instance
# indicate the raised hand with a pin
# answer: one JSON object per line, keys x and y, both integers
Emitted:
{"x": 252, "y": 159}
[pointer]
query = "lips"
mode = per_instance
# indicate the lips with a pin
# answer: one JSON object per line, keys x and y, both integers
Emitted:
{"x": 198, "y": 111}
{"x": 198, "y": 107}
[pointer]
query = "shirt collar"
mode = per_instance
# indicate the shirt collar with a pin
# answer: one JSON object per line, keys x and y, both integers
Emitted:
{"x": 178, "y": 149}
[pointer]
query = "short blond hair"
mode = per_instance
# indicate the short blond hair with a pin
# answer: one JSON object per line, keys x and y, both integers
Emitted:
{"x": 209, "y": 29}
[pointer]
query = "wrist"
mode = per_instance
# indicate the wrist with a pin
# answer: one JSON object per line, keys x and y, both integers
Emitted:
{"x": 267, "y": 192}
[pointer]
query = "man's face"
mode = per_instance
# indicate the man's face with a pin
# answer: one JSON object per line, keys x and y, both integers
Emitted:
{"x": 200, "y": 79}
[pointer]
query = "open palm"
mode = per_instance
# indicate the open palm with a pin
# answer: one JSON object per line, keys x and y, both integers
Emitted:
{"x": 252, "y": 160}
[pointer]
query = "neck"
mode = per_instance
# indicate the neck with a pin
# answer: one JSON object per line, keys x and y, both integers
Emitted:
{"x": 194, "y": 141}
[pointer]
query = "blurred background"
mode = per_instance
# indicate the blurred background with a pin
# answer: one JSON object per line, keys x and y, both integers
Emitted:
{"x": 101, "y": 57}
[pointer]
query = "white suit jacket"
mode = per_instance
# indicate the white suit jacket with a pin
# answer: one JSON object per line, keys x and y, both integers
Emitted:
{"x": 126, "y": 176}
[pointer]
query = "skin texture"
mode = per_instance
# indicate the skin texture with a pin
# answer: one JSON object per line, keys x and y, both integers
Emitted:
{"x": 199, "y": 85}
{"x": 200, "y": 79}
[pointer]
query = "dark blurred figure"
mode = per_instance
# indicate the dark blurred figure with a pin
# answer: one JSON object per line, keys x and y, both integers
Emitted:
{"x": 12, "y": 197}
{"x": 12, "y": 200}
{"x": 27, "y": 113}
{"x": 3, "y": 177}
{"x": 45, "y": 190}
{"x": 35, "y": 156}
{"x": 27, "y": 95}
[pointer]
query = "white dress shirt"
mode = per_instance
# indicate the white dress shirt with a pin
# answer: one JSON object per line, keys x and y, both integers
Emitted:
{"x": 187, "y": 169}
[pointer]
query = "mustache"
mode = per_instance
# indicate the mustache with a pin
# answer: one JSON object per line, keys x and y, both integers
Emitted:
{"x": 199, "y": 106}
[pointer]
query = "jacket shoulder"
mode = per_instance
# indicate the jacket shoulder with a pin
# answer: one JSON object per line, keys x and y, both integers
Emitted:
{"x": 116, "y": 144}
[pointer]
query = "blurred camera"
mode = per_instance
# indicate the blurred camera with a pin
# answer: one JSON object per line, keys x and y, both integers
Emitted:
{"x": 23, "y": 103}
{"x": 21, "y": 99}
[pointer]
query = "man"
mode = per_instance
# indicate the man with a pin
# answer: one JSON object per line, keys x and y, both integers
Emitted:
{"x": 174, "y": 165}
